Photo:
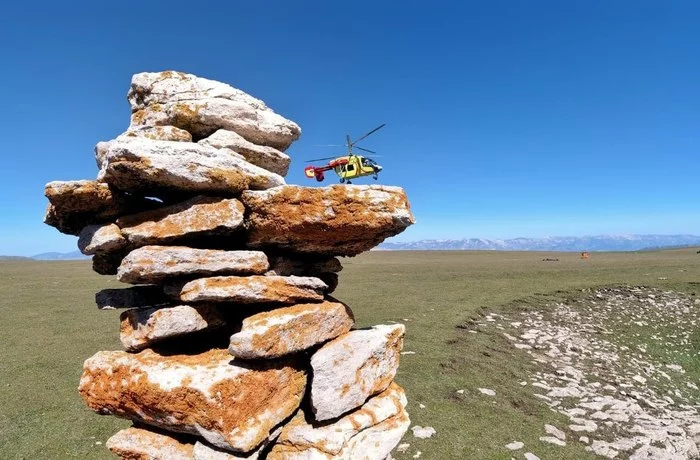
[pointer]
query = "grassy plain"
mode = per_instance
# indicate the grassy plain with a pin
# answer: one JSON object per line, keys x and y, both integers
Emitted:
{"x": 49, "y": 325}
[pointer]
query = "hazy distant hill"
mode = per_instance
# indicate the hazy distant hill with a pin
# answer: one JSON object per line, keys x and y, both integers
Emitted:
{"x": 564, "y": 243}
{"x": 15, "y": 258}
{"x": 60, "y": 256}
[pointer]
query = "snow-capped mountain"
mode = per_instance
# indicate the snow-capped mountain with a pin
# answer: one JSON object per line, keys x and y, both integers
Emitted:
{"x": 562, "y": 243}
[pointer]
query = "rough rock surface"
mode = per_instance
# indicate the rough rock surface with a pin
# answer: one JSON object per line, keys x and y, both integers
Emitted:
{"x": 144, "y": 165}
{"x": 73, "y": 205}
{"x": 142, "y": 327}
{"x": 153, "y": 264}
{"x": 342, "y": 220}
{"x": 369, "y": 432}
{"x": 139, "y": 443}
{"x": 232, "y": 406}
{"x": 353, "y": 367}
{"x": 156, "y": 133}
{"x": 107, "y": 263}
{"x": 100, "y": 238}
{"x": 289, "y": 330}
{"x": 133, "y": 297}
{"x": 202, "y": 106}
{"x": 266, "y": 157}
{"x": 250, "y": 289}
{"x": 201, "y": 216}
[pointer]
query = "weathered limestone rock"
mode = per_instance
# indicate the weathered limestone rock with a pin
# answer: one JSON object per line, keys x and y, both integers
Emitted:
{"x": 73, "y": 205}
{"x": 153, "y": 264}
{"x": 156, "y": 133}
{"x": 100, "y": 238}
{"x": 231, "y": 406}
{"x": 204, "y": 451}
{"x": 342, "y": 220}
{"x": 286, "y": 266}
{"x": 143, "y": 165}
{"x": 201, "y": 216}
{"x": 142, "y": 327}
{"x": 250, "y": 289}
{"x": 266, "y": 157}
{"x": 133, "y": 297}
{"x": 107, "y": 263}
{"x": 289, "y": 330}
{"x": 372, "y": 431}
{"x": 202, "y": 106}
{"x": 142, "y": 444}
{"x": 353, "y": 367}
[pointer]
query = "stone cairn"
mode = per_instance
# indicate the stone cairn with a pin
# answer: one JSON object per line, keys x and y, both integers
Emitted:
{"x": 233, "y": 346}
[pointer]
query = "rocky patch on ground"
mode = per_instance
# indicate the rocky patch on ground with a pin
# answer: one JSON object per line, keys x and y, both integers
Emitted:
{"x": 232, "y": 346}
{"x": 612, "y": 361}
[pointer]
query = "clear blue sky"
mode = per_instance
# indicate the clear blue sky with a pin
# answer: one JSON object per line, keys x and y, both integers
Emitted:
{"x": 504, "y": 118}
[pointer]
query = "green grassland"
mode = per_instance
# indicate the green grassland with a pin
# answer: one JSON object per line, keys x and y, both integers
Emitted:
{"x": 50, "y": 325}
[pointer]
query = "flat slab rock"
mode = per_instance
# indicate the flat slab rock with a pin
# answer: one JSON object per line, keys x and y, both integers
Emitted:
{"x": 94, "y": 239}
{"x": 266, "y": 157}
{"x": 201, "y": 216}
{"x": 353, "y": 367}
{"x": 153, "y": 264}
{"x": 288, "y": 330}
{"x": 139, "y": 443}
{"x": 142, "y": 327}
{"x": 249, "y": 289}
{"x": 231, "y": 406}
{"x": 143, "y": 443}
{"x": 342, "y": 220}
{"x": 372, "y": 431}
{"x": 203, "y": 106}
{"x": 73, "y": 205}
{"x": 144, "y": 165}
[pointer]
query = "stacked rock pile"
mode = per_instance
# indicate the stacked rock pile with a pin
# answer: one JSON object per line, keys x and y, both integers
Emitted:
{"x": 233, "y": 346}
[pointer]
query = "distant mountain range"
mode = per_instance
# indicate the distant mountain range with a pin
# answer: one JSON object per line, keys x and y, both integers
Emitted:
{"x": 74, "y": 255}
{"x": 563, "y": 243}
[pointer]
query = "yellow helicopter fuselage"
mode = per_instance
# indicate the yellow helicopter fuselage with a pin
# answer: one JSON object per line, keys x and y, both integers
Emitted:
{"x": 351, "y": 167}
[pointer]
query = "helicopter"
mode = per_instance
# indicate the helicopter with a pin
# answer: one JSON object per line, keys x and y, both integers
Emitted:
{"x": 348, "y": 167}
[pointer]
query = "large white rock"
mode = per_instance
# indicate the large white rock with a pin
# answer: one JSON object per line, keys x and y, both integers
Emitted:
{"x": 250, "y": 289}
{"x": 153, "y": 264}
{"x": 201, "y": 216}
{"x": 97, "y": 238}
{"x": 145, "y": 165}
{"x": 354, "y": 367}
{"x": 203, "y": 106}
{"x": 231, "y": 406}
{"x": 139, "y": 443}
{"x": 156, "y": 133}
{"x": 142, "y": 327}
{"x": 342, "y": 220}
{"x": 371, "y": 432}
{"x": 288, "y": 330}
{"x": 266, "y": 157}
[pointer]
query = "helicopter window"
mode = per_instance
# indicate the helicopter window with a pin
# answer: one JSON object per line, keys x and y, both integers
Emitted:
{"x": 350, "y": 168}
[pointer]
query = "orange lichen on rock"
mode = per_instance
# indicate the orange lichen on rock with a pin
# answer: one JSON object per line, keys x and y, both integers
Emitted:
{"x": 201, "y": 216}
{"x": 231, "y": 406}
{"x": 336, "y": 220}
{"x": 250, "y": 289}
{"x": 288, "y": 330}
{"x": 371, "y": 431}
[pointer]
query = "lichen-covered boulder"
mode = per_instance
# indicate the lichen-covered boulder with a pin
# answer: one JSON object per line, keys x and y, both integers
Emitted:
{"x": 342, "y": 220}
{"x": 231, "y": 406}
{"x": 98, "y": 238}
{"x": 142, "y": 444}
{"x": 260, "y": 155}
{"x": 370, "y": 432}
{"x": 150, "y": 166}
{"x": 249, "y": 289}
{"x": 154, "y": 264}
{"x": 142, "y": 327}
{"x": 198, "y": 217}
{"x": 202, "y": 106}
{"x": 354, "y": 367}
{"x": 283, "y": 331}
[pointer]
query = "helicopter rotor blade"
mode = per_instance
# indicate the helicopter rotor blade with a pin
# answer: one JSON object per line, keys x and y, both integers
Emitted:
{"x": 322, "y": 159}
{"x": 365, "y": 150}
{"x": 371, "y": 132}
